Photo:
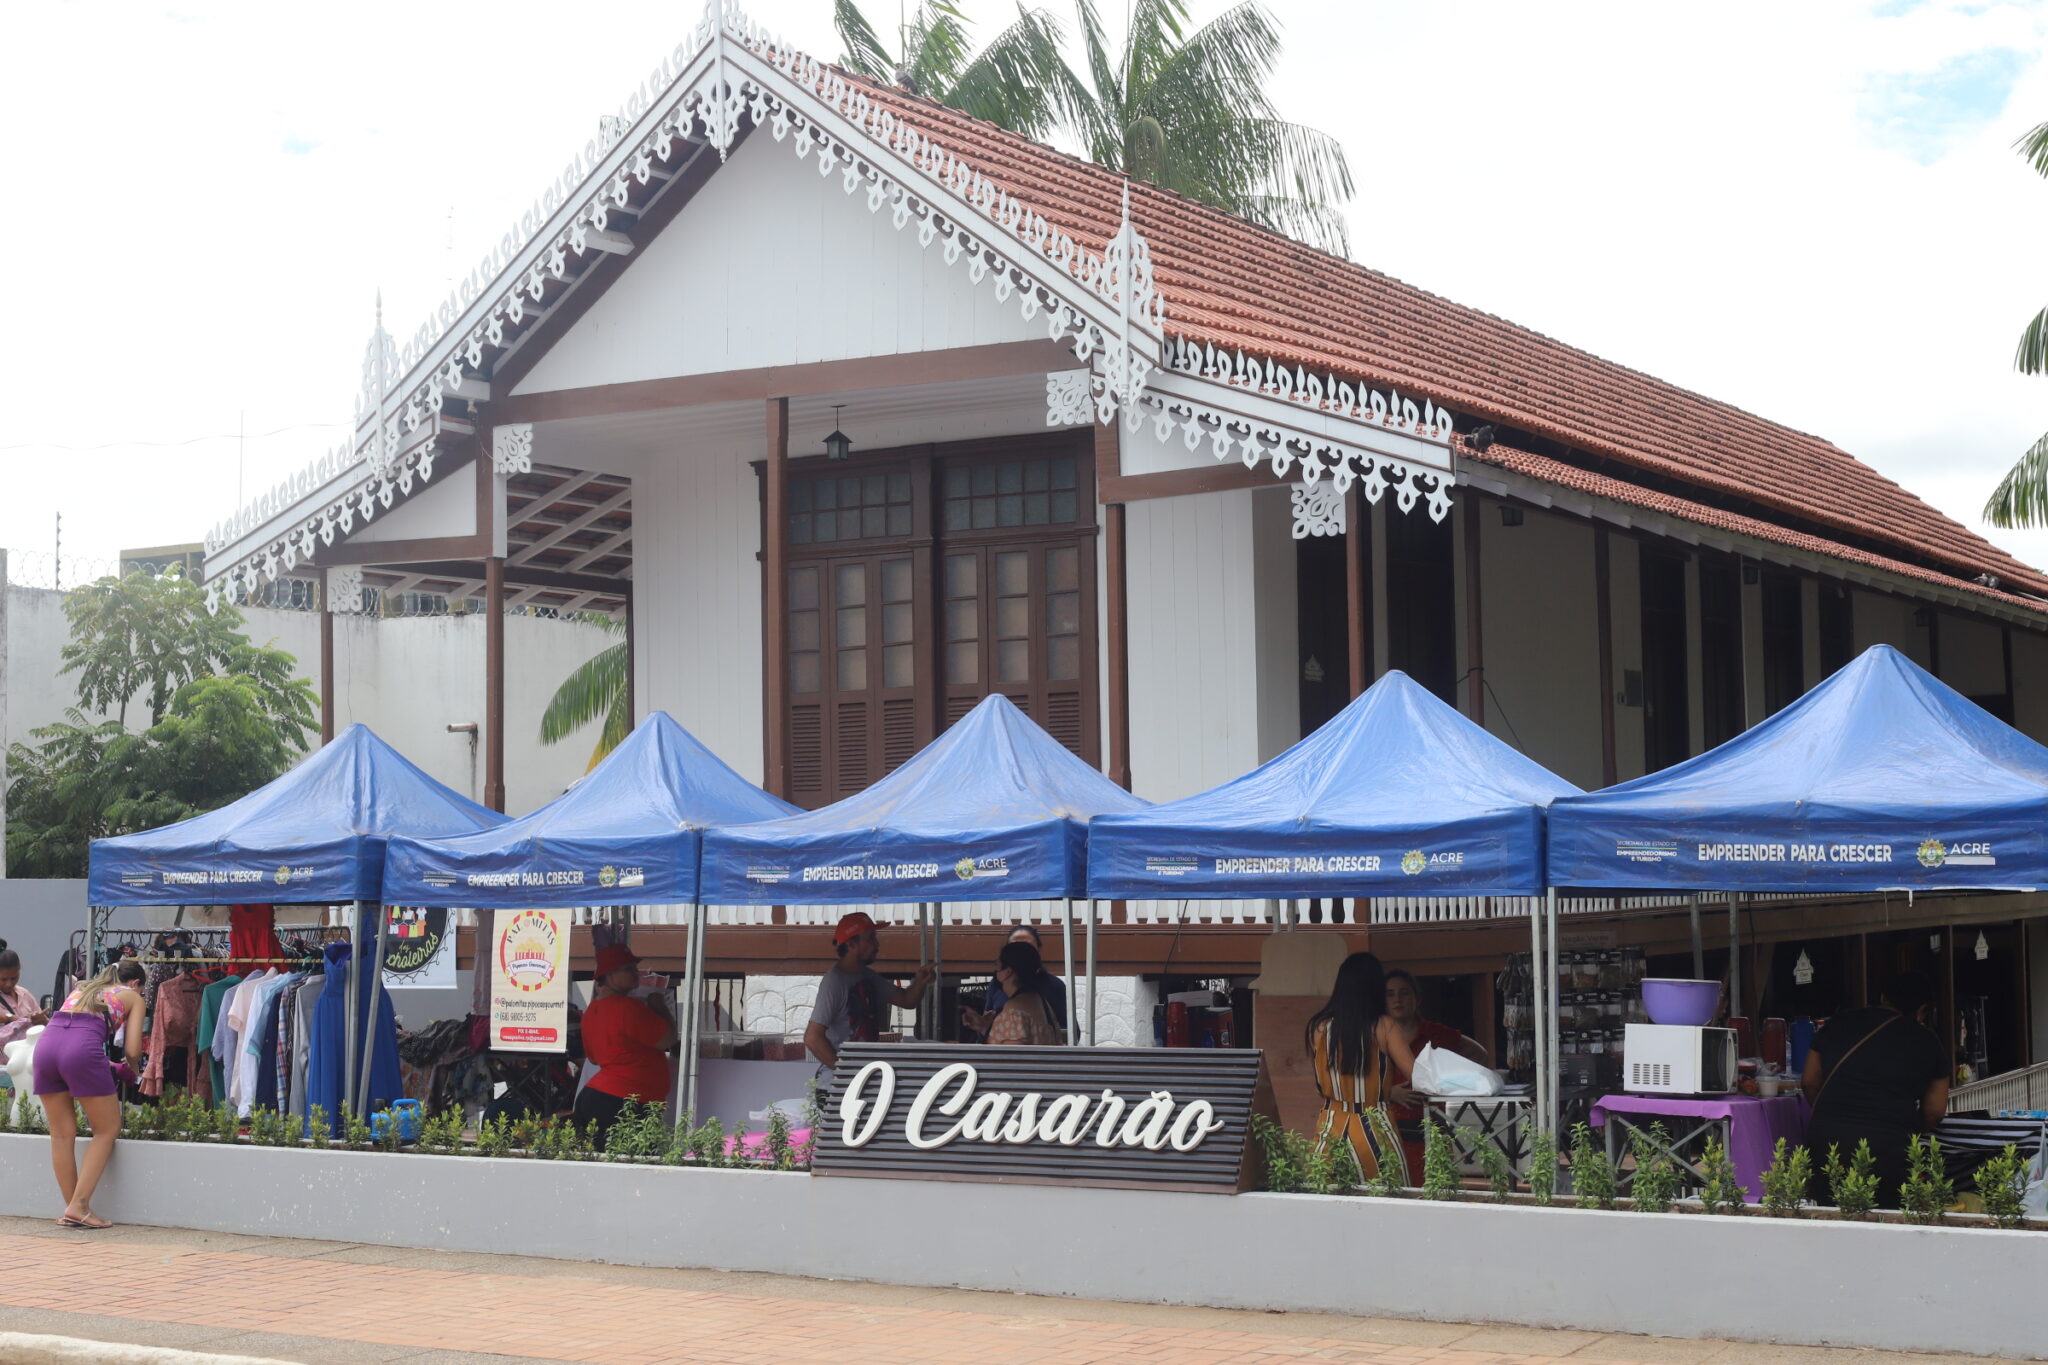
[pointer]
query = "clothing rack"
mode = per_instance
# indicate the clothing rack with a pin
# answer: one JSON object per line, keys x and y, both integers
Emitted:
{"x": 227, "y": 961}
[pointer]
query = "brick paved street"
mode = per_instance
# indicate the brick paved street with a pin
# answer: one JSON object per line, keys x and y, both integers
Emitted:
{"x": 335, "y": 1302}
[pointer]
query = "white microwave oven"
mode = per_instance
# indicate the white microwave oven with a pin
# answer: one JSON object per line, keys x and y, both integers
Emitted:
{"x": 1678, "y": 1059}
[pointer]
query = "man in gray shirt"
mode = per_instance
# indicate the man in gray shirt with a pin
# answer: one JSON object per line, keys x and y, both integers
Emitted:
{"x": 853, "y": 998}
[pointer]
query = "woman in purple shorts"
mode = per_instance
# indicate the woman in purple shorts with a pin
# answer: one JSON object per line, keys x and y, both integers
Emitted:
{"x": 71, "y": 1064}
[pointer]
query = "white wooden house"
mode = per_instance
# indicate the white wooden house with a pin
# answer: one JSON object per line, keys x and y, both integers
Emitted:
{"x": 1177, "y": 485}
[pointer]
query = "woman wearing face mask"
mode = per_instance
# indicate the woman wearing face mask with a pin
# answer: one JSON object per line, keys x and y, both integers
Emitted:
{"x": 71, "y": 1064}
{"x": 18, "y": 1010}
{"x": 1404, "y": 1101}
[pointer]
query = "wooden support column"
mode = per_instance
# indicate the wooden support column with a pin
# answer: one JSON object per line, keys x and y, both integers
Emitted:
{"x": 1117, "y": 628}
{"x": 1603, "y": 608}
{"x": 1358, "y": 587}
{"x": 775, "y": 600}
{"x": 494, "y": 682}
{"x": 326, "y": 658}
{"x": 1475, "y": 651}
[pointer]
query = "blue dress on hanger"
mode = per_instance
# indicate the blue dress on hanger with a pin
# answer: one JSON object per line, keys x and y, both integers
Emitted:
{"x": 327, "y": 1085}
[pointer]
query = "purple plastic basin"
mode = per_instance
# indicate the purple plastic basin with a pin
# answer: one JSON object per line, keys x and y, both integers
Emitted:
{"x": 1669, "y": 1000}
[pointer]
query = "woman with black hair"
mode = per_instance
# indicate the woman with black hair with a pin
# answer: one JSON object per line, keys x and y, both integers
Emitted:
{"x": 1355, "y": 1044}
{"x": 1877, "y": 1074}
{"x": 1026, "y": 1017}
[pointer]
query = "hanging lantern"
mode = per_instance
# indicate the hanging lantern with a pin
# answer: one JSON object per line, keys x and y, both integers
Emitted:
{"x": 837, "y": 445}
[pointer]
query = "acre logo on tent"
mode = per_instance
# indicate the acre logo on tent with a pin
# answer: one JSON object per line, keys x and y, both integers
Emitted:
{"x": 283, "y": 874}
{"x": 1934, "y": 853}
{"x": 1413, "y": 861}
{"x": 967, "y": 869}
{"x": 607, "y": 875}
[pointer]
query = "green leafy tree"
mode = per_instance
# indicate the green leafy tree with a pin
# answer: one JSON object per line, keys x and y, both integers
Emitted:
{"x": 1181, "y": 106}
{"x": 1015, "y": 81}
{"x": 595, "y": 691}
{"x": 1188, "y": 110}
{"x": 2021, "y": 498}
{"x": 226, "y": 716}
{"x": 143, "y": 636}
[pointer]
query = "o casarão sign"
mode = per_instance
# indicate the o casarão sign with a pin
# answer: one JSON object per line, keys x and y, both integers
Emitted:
{"x": 1141, "y": 1118}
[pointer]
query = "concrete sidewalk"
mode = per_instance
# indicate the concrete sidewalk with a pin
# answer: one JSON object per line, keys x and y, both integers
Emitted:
{"x": 324, "y": 1302}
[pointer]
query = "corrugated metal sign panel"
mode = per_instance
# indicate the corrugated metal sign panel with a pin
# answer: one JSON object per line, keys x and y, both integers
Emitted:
{"x": 1177, "y": 1118}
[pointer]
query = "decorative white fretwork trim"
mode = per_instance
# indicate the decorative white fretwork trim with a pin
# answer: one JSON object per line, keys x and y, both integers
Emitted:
{"x": 1318, "y": 510}
{"x": 512, "y": 449}
{"x": 345, "y": 590}
{"x": 1326, "y": 393}
{"x": 1069, "y": 398}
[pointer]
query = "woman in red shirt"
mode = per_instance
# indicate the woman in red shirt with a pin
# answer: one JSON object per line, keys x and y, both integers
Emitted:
{"x": 1404, "y": 1102}
{"x": 627, "y": 1041}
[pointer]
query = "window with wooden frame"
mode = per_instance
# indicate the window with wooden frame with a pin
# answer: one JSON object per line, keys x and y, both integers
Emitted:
{"x": 921, "y": 581}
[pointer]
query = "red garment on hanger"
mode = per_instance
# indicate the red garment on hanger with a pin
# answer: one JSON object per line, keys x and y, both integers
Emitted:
{"x": 252, "y": 933}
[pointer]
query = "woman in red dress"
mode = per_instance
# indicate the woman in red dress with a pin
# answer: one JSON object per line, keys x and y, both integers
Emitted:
{"x": 1404, "y": 1102}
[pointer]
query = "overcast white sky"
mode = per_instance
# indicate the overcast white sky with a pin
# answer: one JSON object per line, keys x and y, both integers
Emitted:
{"x": 1809, "y": 210}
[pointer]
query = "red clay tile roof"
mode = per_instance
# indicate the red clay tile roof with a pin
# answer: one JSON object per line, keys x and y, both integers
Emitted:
{"x": 1547, "y": 470}
{"x": 1238, "y": 285}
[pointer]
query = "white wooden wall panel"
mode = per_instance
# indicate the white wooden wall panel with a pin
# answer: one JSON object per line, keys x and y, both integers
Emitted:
{"x": 697, "y": 589}
{"x": 774, "y": 265}
{"x": 1541, "y": 639}
{"x": 1194, "y": 675}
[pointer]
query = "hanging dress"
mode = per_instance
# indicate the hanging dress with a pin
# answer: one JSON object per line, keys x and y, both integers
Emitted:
{"x": 1346, "y": 1101}
{"x": 327, "y": 1082}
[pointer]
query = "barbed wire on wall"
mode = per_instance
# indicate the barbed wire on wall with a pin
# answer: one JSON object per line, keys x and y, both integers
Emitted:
{"x": 44, "y": 569}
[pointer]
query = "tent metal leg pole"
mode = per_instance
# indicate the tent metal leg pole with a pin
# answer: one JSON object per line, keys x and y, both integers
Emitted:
{"x": 1092, "y": 982}
{"x": 1551, "y": 1115}
{"x": 938, "y": 986}
{"x": 1067, "y": 940}
{"x": 1734, "y": 955}
{"x": 691, "y": 1006}
{"x": 376, "y": 996}
{"x": 1699, "y": 947}
{"x": 355, "y": 930}
{"x": 1538, "y": 1003}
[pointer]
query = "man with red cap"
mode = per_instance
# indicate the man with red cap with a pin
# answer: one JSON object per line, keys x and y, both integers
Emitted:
{"x": 853, "y": 998}
{"x": 626, "y": 1040}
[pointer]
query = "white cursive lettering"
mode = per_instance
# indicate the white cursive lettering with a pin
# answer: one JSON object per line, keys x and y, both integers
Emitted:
{"x": 913, "y": 1126}
{"x": 853, "y": 1102}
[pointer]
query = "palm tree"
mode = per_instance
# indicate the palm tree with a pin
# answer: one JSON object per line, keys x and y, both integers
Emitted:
{"x": 1014, "y": 81}
{"x": 1189, "y": 112}
{"x": 2021, "y": 498}
{"x": 597, "y": 689}
{"x": 1185, "y": 110}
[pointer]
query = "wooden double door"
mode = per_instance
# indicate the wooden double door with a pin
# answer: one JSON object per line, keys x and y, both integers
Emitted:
{"x": 921, "y": 580}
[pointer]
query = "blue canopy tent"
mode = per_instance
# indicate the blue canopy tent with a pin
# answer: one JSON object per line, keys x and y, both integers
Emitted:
{"x": 1883, "y": 778}
{"x": 995, "y": 809}
{"x": 628, "y": 833}
{"x": 314, "y": 836}
{"x": 1396, "y": 795}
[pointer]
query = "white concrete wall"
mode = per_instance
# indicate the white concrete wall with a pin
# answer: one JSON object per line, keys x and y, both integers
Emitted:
{"x": 1194, "y": 643}
{"x": 407, "y": 678}
{"x": 1541, "y": 640}
{"x": 766, "y": 241}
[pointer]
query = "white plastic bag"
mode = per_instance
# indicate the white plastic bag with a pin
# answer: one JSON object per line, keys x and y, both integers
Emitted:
{"x": 1439, "y": 1072}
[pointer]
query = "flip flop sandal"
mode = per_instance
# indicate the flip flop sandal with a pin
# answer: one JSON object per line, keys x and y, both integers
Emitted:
{"x": 69, "y": 1222}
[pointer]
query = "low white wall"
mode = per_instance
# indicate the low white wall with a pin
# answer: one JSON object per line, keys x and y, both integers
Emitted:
{"x": 1796, "y": 1282}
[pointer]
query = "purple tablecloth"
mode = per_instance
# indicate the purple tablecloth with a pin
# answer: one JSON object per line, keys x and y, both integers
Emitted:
{"x": 1754, "y": 1125}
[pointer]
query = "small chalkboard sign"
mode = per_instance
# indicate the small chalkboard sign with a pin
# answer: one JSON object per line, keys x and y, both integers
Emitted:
{"x": 1135, "y": 1118}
